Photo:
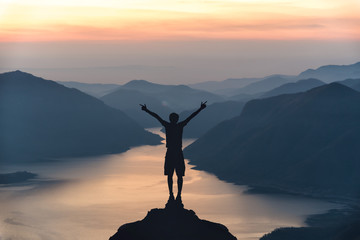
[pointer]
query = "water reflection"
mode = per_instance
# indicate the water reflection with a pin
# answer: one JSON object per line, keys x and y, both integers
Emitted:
{"x": 90, "y": 198}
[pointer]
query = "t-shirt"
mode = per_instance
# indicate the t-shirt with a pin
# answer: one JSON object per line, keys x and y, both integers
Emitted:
{"x": 174, "y": 132}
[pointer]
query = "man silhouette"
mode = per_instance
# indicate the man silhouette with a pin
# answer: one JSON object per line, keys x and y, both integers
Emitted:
{"x": 174, "y": 158}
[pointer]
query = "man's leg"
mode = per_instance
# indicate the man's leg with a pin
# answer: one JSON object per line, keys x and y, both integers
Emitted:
{"x": 170, "y": 183}
{"x": 180, "y": 184}
{"x": 180, "y": 172}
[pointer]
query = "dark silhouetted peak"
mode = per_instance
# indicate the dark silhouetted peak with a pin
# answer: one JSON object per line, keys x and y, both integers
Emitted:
{"x": 350, "y": 82}
{"x": 18, "y": 72}
{"x": 333, "y": 90}
{"x": 41, "y": 118}
{"x": 136, "y": 83}
{"x": 18, "y": 76}
{"x": 175, "y": 97}
{"x": 25, "y": 80}
{"x": 305, "y": 142}
{"x": 30, "y": 87}
{"x": 353, "y": 83}
{"x": 326, "y": 99}
{"x": 172, "y": 223}
{"x": 146, "y": 86}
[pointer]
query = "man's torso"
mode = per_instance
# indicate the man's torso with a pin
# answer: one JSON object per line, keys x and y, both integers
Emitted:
{"x": 174, "y": 134}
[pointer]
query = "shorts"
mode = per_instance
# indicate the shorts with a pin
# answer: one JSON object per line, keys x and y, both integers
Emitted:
{"x": 174, "y": 160}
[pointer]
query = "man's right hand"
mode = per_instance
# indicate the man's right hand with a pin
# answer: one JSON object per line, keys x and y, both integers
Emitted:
{"x": 143, "y": 107}
{"x": 203, "y": 105}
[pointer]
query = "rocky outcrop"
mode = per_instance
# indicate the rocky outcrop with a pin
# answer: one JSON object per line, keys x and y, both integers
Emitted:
{"x": 172, "y": 222}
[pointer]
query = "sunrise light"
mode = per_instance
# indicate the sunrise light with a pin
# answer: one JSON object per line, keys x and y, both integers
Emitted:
{"x": 40, "y": 20}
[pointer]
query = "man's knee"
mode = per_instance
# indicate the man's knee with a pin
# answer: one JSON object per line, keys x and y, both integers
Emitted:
{"x": 170, "y": 173}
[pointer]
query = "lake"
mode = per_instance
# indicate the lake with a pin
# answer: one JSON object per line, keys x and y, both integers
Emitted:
{"x": 89, "y": 198}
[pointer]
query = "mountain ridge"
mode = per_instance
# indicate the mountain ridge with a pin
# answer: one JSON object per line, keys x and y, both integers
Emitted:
{"x": 294, "y": 87}
{"x": 42, "y": 119}
{"x": 162, "y": 99}
{"x": 297, "y": 134}
{"x": 93, "y": 89}
{"x": 330, "y": 73}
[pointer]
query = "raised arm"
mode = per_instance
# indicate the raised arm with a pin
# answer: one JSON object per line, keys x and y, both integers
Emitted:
{"x": 202, "y": 106}
{"x": 144, "y": 108}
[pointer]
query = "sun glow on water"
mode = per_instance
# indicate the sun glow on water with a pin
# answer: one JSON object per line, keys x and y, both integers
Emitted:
{"x": 91, "y": 197}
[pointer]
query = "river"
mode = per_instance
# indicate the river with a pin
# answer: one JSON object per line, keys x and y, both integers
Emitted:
{"x": 89, "y": 198}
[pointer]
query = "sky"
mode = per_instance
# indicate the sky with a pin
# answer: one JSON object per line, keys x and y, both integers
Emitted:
{"x": 112, "y": 41}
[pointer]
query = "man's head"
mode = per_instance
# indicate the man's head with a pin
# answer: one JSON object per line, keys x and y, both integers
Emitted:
{"x": 174, "y": 117}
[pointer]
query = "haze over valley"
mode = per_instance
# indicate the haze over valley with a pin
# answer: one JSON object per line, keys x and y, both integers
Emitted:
{"x": 153, "y": 119}
{"x": 280, "y": 134}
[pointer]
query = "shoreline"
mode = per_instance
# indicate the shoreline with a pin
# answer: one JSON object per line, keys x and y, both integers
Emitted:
{"x": 333, "y": 221}
{"x": 335, "y": 224}
{"x": 253, "y": 190}
{"x": 271, "y": 189}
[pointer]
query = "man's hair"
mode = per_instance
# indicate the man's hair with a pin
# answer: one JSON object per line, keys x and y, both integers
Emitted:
{"x": 174, "y": 117}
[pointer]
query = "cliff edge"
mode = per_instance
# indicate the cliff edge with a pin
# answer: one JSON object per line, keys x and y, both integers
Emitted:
{"x": 172, "y": 222}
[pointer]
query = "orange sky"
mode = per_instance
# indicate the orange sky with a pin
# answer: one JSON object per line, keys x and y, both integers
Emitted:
{"x": 48, "y": 20}
{"x": 175, "y": 41}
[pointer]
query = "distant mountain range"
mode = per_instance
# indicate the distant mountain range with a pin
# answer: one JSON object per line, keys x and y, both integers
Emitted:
{"x": 210, "y": 117}
{"x": 331, "y": 73}
{"x": 294, "y": 87}
{"x": 176, "y": 97}
{"x": 146, "y": 86}
{"x": 247, "y": 86}
{"x": 162, "y": 99}
{"x": 232, "y": 86}
{"x": 240, "y": 89}
{"x": 43, "y": 119}
{"x": 302, "y": 143}
{"x": 264, "y": 85}
{"x": 93, "y": 89}
{"x": 128, "y": 100}
{"x": 224, "y": 87}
